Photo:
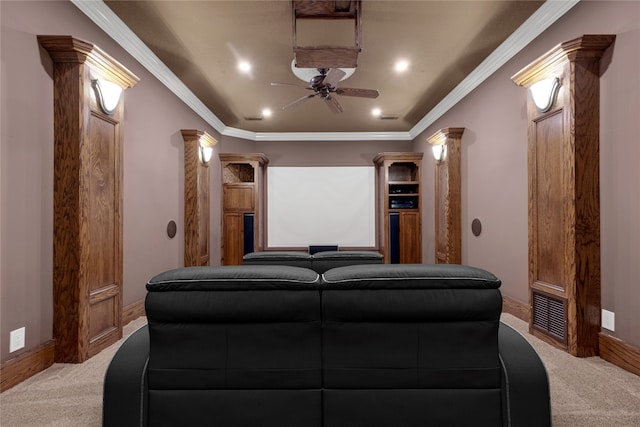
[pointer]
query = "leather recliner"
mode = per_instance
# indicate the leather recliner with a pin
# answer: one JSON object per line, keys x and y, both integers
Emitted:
{"x": 366, "y": 345}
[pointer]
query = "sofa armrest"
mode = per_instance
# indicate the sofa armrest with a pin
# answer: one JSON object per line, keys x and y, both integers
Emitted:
{"x": 125, "y": 384}
{"x": 526, "y": 396}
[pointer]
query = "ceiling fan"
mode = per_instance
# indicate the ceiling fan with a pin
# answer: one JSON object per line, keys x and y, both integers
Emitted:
{"x": 324, "y": 86}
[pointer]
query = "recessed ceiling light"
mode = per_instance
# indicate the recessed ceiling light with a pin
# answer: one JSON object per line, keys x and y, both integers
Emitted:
{"x": 244, "y": 66}
{"x": 376, "y": 112}
{"x": 266, "y": 112}
{"x": 401, "y": 66}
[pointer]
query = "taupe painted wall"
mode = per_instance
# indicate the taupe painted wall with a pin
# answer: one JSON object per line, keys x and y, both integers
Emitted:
{"x": 494, "y": 163}
{"x": 493, "y": 171}
{"x": 153, "y": 168}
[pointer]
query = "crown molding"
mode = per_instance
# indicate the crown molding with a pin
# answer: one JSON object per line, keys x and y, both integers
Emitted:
{"x": 537, "y": 23}
{"x": 110, "y": 23}
{"x": 316, "y": 136}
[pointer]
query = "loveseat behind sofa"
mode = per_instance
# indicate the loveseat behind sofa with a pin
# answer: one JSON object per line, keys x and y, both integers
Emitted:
{"x": 368, "y": 345}
{"x": 320, "y": 261}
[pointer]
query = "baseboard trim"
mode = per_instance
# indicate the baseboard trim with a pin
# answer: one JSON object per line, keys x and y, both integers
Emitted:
{"x": 133, "y": 311}
{"x": 621, "y": 354}
{"x": 29, "y": 363}
{"x": 519, "y": 309}
{"x": 18, "y": 369}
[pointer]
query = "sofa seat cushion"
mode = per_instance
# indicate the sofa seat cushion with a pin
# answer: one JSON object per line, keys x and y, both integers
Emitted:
{"x": 326, "y": 260}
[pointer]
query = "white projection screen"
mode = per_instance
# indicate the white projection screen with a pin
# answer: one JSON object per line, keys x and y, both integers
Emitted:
{"x": 321, "y": 206}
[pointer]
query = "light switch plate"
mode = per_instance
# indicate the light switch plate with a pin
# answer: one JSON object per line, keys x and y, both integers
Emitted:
{"x": 608, "y": 320}
{"x": 16, "y": 339}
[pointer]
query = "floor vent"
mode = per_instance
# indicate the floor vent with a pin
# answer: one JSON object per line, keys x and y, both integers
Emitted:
{"x": 550, "y": 316}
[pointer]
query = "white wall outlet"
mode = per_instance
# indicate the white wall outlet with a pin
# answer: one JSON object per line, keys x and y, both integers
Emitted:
{"x": 608, "y": 320}
{"x": 16, "y": 339}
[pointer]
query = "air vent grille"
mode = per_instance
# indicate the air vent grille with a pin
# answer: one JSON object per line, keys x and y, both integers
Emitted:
{"x": 550, "y": 315}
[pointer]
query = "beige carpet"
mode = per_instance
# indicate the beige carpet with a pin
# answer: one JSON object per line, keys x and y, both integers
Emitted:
{"x": 584, "y": 392}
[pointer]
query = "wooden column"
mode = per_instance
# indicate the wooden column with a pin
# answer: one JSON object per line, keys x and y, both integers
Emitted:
{"x": 564, "y": 198}
{"x": 196, "y": 197}
{"x": 87, "y": 241}
{"x": 448, "y": 236}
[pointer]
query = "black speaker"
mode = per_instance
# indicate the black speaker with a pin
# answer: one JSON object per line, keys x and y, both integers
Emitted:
{"x": 394, "y": 238}
{"x": 322, "y": 248}
{"x": 248, "y": 233}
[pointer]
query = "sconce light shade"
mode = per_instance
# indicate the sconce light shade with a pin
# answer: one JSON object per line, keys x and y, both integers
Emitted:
{"x": 439, "y": 152}
{"x": 205, "y": 152}
{"x": 108, "y": 95}
{"x": 544, "y": 93}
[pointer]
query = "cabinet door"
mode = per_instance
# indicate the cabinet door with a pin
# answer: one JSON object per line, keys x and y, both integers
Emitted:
{"x": 232, "y": 241}
{"x": 410, "y": 232}
{"x": 238, "y": 196}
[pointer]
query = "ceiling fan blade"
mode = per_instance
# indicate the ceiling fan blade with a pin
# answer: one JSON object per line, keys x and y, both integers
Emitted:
{"x": 333, "y": 104}
{"x": 333, "y": 77}
{"x": 362, "y": 93}
{"x": 288, "y": 84}
{"x": 299, "y": 101}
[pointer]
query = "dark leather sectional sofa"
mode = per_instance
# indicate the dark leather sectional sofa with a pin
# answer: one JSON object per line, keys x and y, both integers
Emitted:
{"x": 318, "y": 261}
{"x": 364, "y": 345}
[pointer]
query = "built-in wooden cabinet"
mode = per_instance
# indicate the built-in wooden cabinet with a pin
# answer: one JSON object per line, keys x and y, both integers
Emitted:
{"x": 87, "y": 198}
{"x": 399, "y": 217}
{"x": 243, "y": 205}
{"x": 564, "y": 188}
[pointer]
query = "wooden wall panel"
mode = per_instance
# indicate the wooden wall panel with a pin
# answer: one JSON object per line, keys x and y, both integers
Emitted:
{"x": 103, "y": 204}
{"x": 549, "y": 204}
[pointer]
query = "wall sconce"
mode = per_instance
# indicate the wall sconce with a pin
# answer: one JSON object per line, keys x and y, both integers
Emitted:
{"x": 544, "y": 93}
{"x": 439, "y": 152}
{"x": 205, "y": 152}
{"x": 108, "y": 94}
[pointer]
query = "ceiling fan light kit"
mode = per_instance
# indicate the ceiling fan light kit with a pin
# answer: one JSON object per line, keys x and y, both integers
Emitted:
{"x": 306, "y": 74}
{"x": 324, "y": 67}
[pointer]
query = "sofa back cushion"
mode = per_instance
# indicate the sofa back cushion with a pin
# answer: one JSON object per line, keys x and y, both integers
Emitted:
{"x": 326, "y": 260}
{"x": 411, "y": 345}
{"x": 291, "y": 258}
{"x": 234, "y": 327}
{"x": 411, "y": 327}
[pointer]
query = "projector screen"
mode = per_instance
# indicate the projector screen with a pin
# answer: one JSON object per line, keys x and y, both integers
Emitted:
{"x": 321, "y": 206}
